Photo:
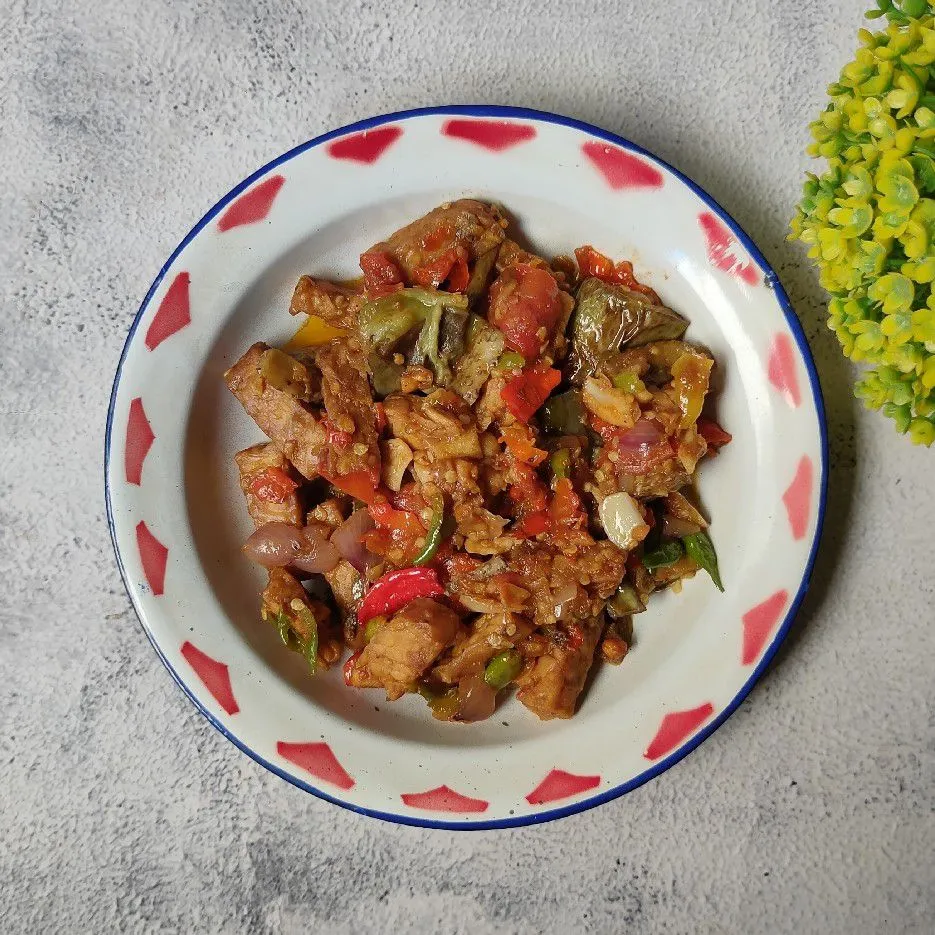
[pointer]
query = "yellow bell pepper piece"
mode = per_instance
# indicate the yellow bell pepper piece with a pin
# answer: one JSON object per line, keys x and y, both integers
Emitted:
{"x": 315, "y": 331}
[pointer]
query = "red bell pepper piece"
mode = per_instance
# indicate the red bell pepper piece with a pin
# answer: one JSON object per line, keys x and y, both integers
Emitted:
{"x": 364, "y": 485}
{"x": 533, "y": 523}
{"x": 349, "y": 667}
{"x": 592, "y": 262}
{"x": 381, "y": 272}
{"x": 712, "y": 433}
{"x": 450, "y": 266}
{"x": 396, "y": 589}
{"x": 272, "y": 485}
{"x": 529, "y": 389}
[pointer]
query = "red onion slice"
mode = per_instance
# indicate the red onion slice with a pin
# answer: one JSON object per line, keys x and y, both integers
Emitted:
{"x": 317, "y": 556}
{"x": 477, "y": 699}
{"x": 641, "y": 438}
{"x": 347, "y": 536}
{"x": 274, "y": 545}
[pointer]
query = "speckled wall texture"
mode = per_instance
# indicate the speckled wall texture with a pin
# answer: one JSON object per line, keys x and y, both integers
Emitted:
{"x": 811, "y": 810}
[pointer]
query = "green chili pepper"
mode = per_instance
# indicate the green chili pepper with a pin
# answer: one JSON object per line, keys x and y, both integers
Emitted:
{"x": 700, "y": 550}
{"x": 284, "y": 625}
{"x": 666, "y": 554}
{"x": 370, "y": 630}
{"x": 563, "y": 414}
{"x": 434, "y": 536}
{"x": 510, "y": 360}
{"x": 627, "y": 380}
{"x": 310, "y": 647}
{"x": 445, "y": 705}
{"x": 625, "y": 602}
{"x": 502, "y": 669}
{"x": 560, "y": 462}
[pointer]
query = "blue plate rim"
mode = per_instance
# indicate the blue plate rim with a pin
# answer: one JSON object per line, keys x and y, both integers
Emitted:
{"x": 520, "y": 113}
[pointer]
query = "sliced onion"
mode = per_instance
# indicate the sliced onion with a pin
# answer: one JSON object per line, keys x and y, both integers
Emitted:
{"x": 490, "y": 568}
{"x": 622, "y": 520}
{"x": 347, "y": 536}
{"x": 645, "y": 435}
{"x": 278, "y": 545}
{"x": 477, "y": 700}
{"x": 563, "y": 597}
{"x": 274, "y": 545}
{"x": 675, "y": 527}
{"x": 316, "y": 556}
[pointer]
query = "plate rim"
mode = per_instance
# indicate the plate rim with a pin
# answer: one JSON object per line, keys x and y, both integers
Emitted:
{"x": 773, "y": 283}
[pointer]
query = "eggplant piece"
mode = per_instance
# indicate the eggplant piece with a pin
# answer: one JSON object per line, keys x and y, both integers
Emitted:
{"x": 484, "y": 347}
{"x": 607, "y": 317}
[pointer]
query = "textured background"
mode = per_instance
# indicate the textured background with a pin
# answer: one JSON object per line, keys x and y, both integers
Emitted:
{"x": 812, "y": 809}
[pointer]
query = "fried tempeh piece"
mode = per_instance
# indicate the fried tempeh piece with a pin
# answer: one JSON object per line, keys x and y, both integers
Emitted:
{"x": 492, "y": 634}
{"x": 296, "y": 432}
{"x": 550, "y": 686}
{"x": 253, "y": 462}
{"x": 404, "y": 647}
{"x": 349, "y": 404}
{"x": 335, "y": 304}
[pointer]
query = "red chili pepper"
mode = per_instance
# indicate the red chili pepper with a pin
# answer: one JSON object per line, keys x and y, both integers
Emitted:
{"x": 349, "y": 667}
{"x": 404, "y": 521}
{"x": 592, "y": 262}
{"x": 360, "y": 484}
{"x": 381, "y": 272}
{"x": 528, "y": 390}
{"x": 566, "y": 508}
{"x": 575, "y": 636}
{"x": 533, "y": 523}
{"x": 336, "y": 437}
{"x": 380, "y": 417}
{"x": 712, "y": 433}
{"x": 450, "y": 265}
{"x": 272, "y": 485}
{"x": 528, "y": 490}
{"x": 396, "y": 589}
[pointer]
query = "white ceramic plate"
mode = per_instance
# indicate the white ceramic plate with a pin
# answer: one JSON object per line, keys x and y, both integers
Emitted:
{"x": 178, "y": 519}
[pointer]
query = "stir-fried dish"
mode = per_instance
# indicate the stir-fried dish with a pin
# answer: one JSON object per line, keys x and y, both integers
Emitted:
{"x": 479, "y": 466}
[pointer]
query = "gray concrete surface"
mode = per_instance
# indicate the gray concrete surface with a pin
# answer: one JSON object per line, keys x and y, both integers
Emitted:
{"x": 811, "y": 810}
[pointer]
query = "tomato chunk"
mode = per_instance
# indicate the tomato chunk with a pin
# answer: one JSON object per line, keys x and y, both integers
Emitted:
{"x": 381, "y": 272}
{"x": 526, "y": 306}
{"x": 272, "y": 485}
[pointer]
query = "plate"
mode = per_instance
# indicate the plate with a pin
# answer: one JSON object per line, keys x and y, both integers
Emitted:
{"x": 177, "y": 517}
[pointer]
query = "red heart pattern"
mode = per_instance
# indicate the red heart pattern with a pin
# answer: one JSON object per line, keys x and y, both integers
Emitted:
{"x": 798, "y": 498}
{"x": 722, "y": 250}
{"x": 781, "y": 369}
{"x": 561, "y": 785}
{"x": 153, "y": 557}
{"x": 759, "y": 623}
{"x": 675, "y": 728}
